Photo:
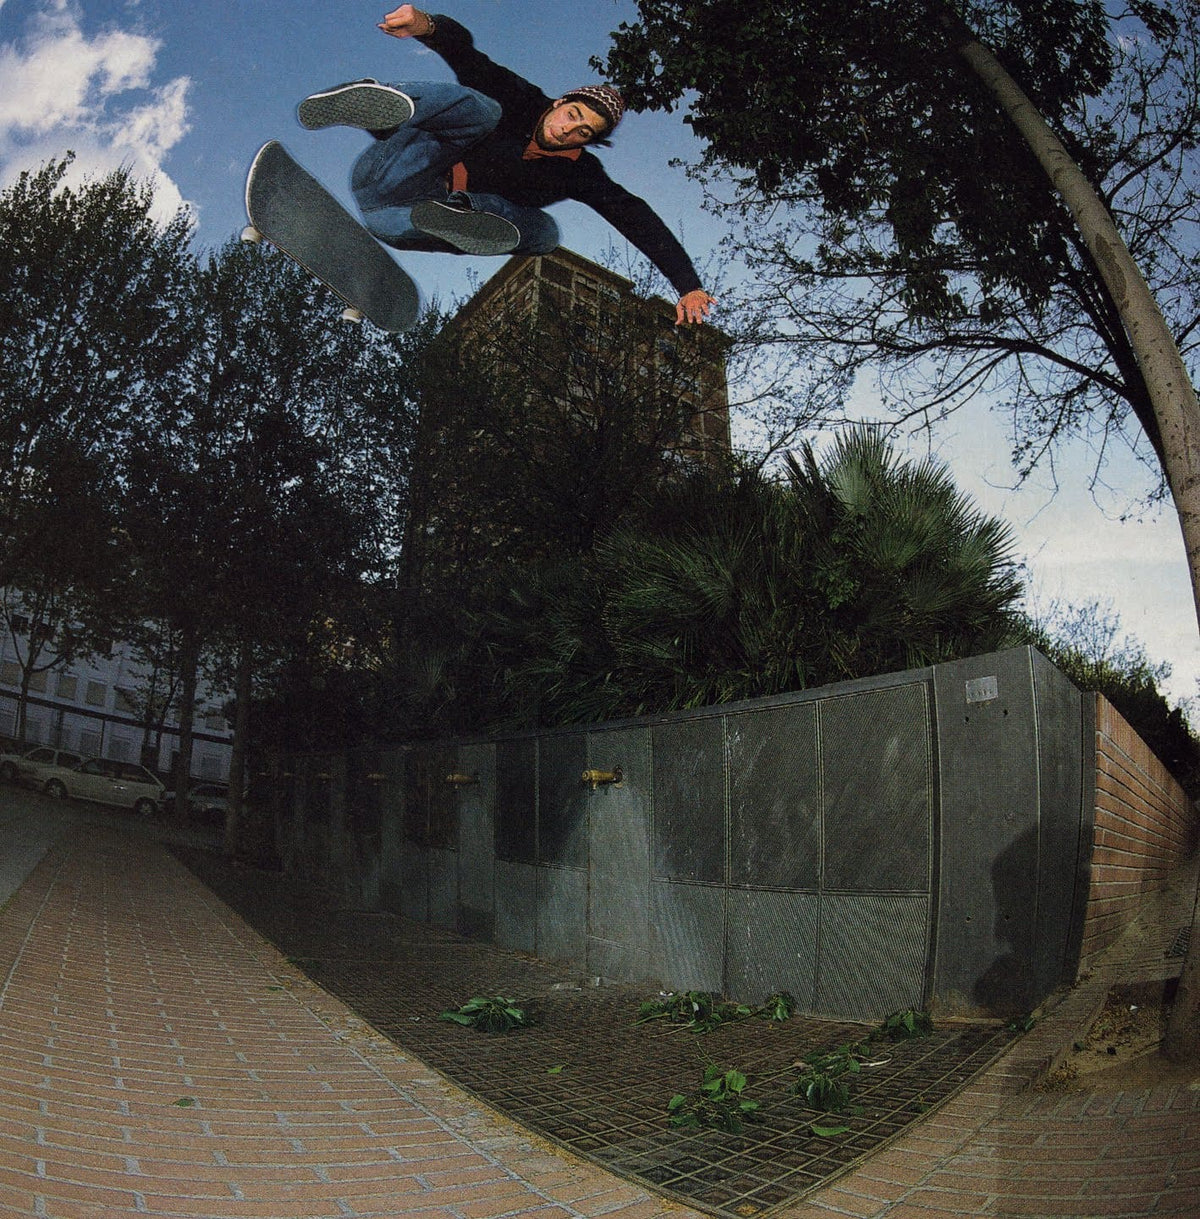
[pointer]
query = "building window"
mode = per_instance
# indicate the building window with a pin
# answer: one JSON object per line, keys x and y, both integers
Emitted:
{"x": 556, "y": 274}
{"x": 37, "y": 681}
{"x": 10, "y": 673}
{"x": 97, "y": 694}
{"x": 124, "y": 701}
{"x": 89, "y": 742}
{"x": 67, "y": 687}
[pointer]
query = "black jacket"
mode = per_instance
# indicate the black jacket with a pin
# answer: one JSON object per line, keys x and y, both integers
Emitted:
{"x": 496, "y": 166}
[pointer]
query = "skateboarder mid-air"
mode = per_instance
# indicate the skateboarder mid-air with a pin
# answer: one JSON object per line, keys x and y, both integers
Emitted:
{"x": 468, "y": 167}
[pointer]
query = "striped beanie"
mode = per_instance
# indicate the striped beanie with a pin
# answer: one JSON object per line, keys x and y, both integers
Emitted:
{"x": 603, "y": 99}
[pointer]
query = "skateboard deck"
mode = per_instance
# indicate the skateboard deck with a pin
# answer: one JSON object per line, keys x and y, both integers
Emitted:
{"x": 297, "y": 215}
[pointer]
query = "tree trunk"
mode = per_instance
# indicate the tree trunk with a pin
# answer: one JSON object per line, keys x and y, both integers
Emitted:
{"x": 1171, "y": 393}
{"x": 235, "y": 813}
{"x": 189, "y": 665}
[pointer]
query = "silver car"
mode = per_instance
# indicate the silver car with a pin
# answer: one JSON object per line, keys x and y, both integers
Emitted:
{"x": 31, "y": 769}
{"x": 124, "y": 784}
{"x": 16, "y": 767}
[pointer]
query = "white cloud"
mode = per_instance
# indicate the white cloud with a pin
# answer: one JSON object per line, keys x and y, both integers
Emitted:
{"x": 63, "y": 89}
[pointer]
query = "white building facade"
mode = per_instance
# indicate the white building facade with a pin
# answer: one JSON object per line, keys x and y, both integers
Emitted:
{"x": 93, "y": 707}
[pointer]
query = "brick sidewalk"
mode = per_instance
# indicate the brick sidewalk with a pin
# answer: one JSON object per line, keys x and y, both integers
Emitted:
{"x": 158, "y": 1057}
{"x": 1001, "y": 1150}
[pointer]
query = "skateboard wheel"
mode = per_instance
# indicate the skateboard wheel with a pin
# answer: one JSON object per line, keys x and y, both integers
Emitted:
{"x": 251, "y": 235}
{"x": 350, "y": 314}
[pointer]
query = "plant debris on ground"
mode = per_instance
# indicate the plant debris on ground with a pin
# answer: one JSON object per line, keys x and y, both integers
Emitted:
{"x": 492, "y": 1015}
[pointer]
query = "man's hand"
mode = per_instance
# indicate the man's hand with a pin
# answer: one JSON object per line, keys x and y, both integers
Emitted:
{"x": 406, "y": 22}
{"x": 693, "y": 307}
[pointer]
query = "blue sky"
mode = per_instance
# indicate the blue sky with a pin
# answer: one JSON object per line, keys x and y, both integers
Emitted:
{"x": 187, "y": 90}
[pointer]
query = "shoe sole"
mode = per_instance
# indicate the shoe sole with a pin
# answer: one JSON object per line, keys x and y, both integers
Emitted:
{"x": 369, "y": 107}
{"x": 471, "y": 232}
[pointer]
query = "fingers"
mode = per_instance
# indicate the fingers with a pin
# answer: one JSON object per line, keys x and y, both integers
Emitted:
{"x": 401, "y": 22}
{"x": 693, "y": 308}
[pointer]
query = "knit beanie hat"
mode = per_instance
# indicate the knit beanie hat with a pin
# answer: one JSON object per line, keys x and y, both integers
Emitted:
{"x": 603, "y": 99}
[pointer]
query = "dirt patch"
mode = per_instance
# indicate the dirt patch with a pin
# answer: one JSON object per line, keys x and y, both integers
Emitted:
{"x": 1122, "y": 1051}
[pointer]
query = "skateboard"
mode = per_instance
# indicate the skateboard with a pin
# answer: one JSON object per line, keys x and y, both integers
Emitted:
{"x": 288, "y": 207}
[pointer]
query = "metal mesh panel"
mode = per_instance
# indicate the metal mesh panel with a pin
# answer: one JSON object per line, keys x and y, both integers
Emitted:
{"x": 516, "y": 801}
{"x": 872, "y": 955}
{"x": 316, "y": 774}
{"x": 771, "y": 946}
{"x": 688, "y": 935}
{"x": 689, "y": 800}
{"x": 443, "y": 888}
{"x": 878, "y": 780}
{"x": 774, "y": 799}
{"x": 562, "y": 914}
{"x": 562, "y": 801}
{"x": 516, "y": 906}
{"x": 413, "y": 883}
{"x": 477, "y": 843}
{"x": 430, "y": 809}
{"x": 364, "y": 792}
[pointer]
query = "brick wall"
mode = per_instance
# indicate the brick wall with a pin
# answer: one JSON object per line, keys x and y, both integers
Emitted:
{"x": 1145, "y": 826}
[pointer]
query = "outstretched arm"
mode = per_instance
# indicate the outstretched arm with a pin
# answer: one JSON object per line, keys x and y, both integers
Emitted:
{"x": 693, "y": 307}
{"x": 407, "y": 22}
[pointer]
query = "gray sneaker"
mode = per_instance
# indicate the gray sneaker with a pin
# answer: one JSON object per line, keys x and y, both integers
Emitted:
{"x": 359, "y": 103}
{"x": 467, "y": 230}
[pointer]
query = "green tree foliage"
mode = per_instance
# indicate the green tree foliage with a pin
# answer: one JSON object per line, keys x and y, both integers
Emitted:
{"x": 1087, "y": 644}
{"x": 735, "y": 585}
{"x": 542, "y": 431}
{"x": 89, "y": 320}
{"x": 90, "y": 325}
{"x": 891, "y": 210}
{"x": 538, "y": 437}
{"x": 262, "y": 494}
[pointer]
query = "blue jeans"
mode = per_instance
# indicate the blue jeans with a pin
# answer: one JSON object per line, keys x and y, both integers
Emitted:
{"x": 412, "y": 164}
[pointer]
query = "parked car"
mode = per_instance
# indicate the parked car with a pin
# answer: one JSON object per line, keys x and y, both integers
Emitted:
{"x": 13, "y": 761}
{"x": 207, "y": 802}
{"x": 125, "y": 784}
{"x": 33, "y": 769}
{"x": 11, "y": 752}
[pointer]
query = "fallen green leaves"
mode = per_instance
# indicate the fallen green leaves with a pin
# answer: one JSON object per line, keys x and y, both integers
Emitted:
{"x": 703, "y": 1011}
{"x": 718, "y": 1102}
{"x": 492, "y": 1015}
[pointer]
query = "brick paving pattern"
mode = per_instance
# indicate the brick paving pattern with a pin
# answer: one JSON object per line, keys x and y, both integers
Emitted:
{"x": 159, "y": 1057}
{"x": 1002, "y": 1150}
{"x": 586, "y": 1075}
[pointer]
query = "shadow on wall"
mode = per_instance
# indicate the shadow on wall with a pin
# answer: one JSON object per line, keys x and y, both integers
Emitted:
{"x": 1005, "y": 988}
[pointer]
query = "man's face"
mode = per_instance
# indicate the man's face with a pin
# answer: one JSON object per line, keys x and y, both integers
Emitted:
{"x": 569, "y": 124}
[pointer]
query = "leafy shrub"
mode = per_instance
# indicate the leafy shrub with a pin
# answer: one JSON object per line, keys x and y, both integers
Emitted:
{"x": 703, "y": 1011}
{"x": 901, "y": 1025}
{"x": 823, "y": 1081}
{"x": 717, "y": 1103}
{"x": 492, "y": 1015}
